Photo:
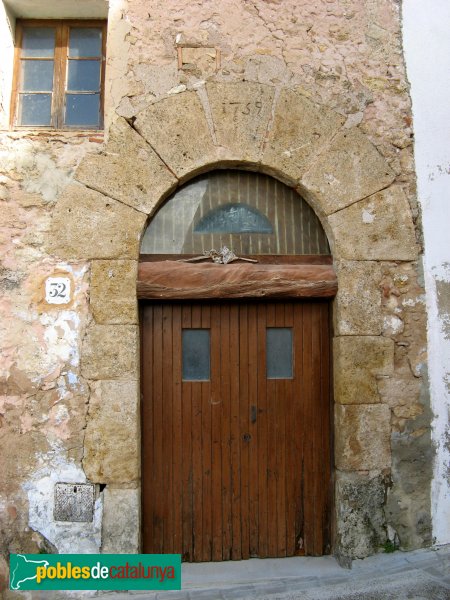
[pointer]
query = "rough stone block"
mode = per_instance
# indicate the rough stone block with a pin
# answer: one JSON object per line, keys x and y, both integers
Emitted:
{"x": 358, "y": 301}
{"x": 113, "y": 291}
{"x": 300, "y": 130}
{"x": 362, "y": 437}
{"x": 87, "y": 224}
{"x": 360, "y": 518}
{"x": 377, "y": 228}
{"x": 129, "y": 170}
{"x": 177, "y": 129}
{"x": 110, "y": 352}
{"x": 357, "y": 362}
{"x": 350, "y": 169}
{"x": 241, "y": 113}
{"x": 120, "y": 527}
{"x": 111, "y": 443}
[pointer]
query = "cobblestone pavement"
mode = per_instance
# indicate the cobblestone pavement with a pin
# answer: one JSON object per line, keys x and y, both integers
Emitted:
{"x": 418, "y": 575}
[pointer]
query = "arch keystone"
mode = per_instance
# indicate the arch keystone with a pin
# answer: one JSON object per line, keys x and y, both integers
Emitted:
{"x": 241, "y": 113}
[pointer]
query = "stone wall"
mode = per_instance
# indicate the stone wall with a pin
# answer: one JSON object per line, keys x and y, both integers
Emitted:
{"x": 313, "y": 93}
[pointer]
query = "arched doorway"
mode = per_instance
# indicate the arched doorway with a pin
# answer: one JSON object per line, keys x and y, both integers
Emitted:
{"x": 235, "y": 372}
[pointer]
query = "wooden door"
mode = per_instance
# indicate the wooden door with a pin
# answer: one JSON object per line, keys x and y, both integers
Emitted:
{"x": 236, "y": 454}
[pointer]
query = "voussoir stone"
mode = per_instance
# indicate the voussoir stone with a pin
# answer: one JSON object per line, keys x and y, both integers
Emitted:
{"x": 111, "y": 447}
{"x": 377, "y": 228}
{"x": 110, "y": 352}
{"x": 348, "y": 170}
{"x": 241, "y": 113}
{"x": 129, "y": 170}
{"x": 358, "y": 301}
{"x": 362, "y": 437}
{"x": 113, "y": 291}
{"x": 177, "y": 129}
{"x": 358, "y": 360}
{"x": 299, "y": 130}
{"x": 87, "y": 224}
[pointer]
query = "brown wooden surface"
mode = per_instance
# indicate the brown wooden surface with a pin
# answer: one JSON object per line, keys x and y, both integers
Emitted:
{"x": 263, "y": 259}
{"x": 177, "y": 281}
{"x": 240, "y": 465}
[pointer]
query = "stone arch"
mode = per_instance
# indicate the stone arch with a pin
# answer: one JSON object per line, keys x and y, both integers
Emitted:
{"x": 366, "y": 215}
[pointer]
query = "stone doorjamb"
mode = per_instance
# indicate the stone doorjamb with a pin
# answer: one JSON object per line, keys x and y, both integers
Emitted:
{"x": 100, "y": 218}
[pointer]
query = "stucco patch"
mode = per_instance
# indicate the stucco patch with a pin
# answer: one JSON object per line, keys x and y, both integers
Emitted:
{"x": 350, "y": 169}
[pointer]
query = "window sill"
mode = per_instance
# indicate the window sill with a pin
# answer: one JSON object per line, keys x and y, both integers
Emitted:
{"x": 94, "y": 135}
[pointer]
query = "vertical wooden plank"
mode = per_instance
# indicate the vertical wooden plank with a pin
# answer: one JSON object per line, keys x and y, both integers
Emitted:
{"x": 308, "y": 456}
{"x": 290, "y": 469}
{"x": 206, "y": 452}
{"x": 327, "y": 444}
{"x": 298, "y": 432}
{"x": 317, "y": 428}
{"x": 244, "y": 432}
{"x": 216, "y": 437}
{"x": 253, "y": 402}
{"x": 167, "y": 427}
{"x": 158, "y": 466}
{"x": 236, "y": 552}
{"x": 263, "y": 417}
{"x": 196, "y": 390}
{"x": 177, "y": 433}
{"x": 147, "y": 425}
{"x": 226, "y": 432}
{"x": 282, "y": 386}
{"x": 272, "y": 450}
{"x": 187, "y": 469}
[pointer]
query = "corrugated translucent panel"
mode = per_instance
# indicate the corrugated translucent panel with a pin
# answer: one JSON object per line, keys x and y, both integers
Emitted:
{"x": 279, "y": 352}
{"x": 248, "y": 212}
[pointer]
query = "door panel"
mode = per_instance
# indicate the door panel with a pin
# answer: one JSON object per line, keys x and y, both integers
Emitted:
{"x": 238, "y": 465}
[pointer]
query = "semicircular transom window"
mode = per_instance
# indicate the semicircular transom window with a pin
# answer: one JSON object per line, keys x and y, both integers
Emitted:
{"x": 248, "y": 212}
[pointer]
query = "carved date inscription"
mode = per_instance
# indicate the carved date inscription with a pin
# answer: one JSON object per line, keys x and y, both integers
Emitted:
{"x": 243, "y": 108}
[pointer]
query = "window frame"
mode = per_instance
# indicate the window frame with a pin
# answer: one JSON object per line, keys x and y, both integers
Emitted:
{"x": 61, "y": 60}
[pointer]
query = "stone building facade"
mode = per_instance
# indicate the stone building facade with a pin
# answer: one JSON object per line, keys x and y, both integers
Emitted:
{"x": 328, "y": 112}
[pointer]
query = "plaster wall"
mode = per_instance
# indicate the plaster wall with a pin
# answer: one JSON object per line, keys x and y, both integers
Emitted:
{"x": 427, "y": 54}
{"x": 71, "y": 203}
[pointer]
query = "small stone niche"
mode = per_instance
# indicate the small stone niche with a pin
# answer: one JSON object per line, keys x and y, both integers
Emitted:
{"x": 74, "y": 502}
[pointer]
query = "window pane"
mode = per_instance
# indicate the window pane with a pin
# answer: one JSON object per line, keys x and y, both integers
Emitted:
{"x": 234, "y": 218}
{"x": 35, "y": 109}
{"x": 38, "y": 41}
{"x": 85, "y": 41}
{"x": 279, "y": 352}
{"x": 83, "y": 109}
{"x": 196, "y": 363}
{"x": 84, "y": 76}
{"x": 37, "y": 76}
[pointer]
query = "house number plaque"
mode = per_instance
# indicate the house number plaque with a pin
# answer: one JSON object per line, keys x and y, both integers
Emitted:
{"x": 58, "y": 290}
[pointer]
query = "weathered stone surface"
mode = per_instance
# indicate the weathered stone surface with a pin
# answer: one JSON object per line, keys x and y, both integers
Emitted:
{"x": 300, "y": 130}
{"x": 350, "y": 169}
{"x": 362, "y": 437}
{"x": 357, "y": 362}
{"x": 111, "y": 444}
{"x": 113, "y": 291}
{"x": 87, "y": 224}
{"x": 129, "y": 170}
{"x": 241, "y": 113}
{"x": 358, "y": 301}
{"x": 377, "y": 228}
{"x": 360, "y": 519}
{"x": 120, "y": 530}
{"x": 177, "y": 129}
{"x": 110, "y": 352}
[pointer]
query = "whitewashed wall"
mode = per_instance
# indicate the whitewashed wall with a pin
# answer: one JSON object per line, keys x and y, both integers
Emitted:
{"x": 427, "y": 51}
